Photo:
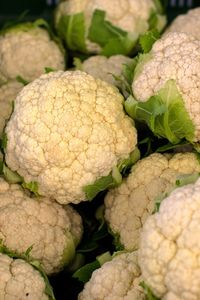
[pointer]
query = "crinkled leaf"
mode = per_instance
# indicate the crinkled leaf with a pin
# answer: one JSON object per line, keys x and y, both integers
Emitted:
{"x": 148, "y": 292}
{"x": 164, "y": 113}
{"x": 142, "y": 59}
{"x": 147, "y": 40}
{"x": 84, "y": 273}
{"x": 71, "y": 29}
{"x": 113, "y": 40}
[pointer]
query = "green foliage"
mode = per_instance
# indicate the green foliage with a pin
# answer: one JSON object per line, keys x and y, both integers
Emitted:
{"x": 20, "y": 79}
{"x": 164, "y": 113}
{"x": 148, "y": 292}
{"x": 71, "y": 29}
{"x": 147, "y": 40}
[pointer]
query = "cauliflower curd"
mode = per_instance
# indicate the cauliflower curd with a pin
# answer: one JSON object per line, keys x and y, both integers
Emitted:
{"x": 67, "y": 130}
{"x": 128, "y": 206}
{"x": 170, "y": 246}
{"x": 51, "y": 230}
{"x": 20, "y": 281}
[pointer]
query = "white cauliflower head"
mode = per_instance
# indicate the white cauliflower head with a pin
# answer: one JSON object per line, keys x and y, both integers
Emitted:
{"x": 173, "y": 63}
{"x": 26, "y": 50}
{"x": 8, "y": 93}
{"x": 41, "y": 223}
{"x": 20, "y": 281}
{"x": 188, "y": 23}
{"x": 96, "y": 33}
{"x": 117, "y": 279}
{"x": 169, "y": 247}
{"x": 104, "y": 68}
{"x": 128, "y": 206}
{"x": 68, "y": 130}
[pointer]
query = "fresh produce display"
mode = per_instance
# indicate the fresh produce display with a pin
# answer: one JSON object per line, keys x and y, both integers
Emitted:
{"x": 99, "y": 151}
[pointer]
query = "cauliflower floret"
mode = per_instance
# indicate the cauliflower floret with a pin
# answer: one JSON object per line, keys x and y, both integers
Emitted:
{"x": 176, "y": 57}
{"x": 8, "y": 93}
{"x": 188, "y": 23}
{"x": 26, "y": 51}
{"x": 128, "y": 206}
{"x": 68, "y": 130}
{"x": 170, "y": 246}
{"x": 117, "y": 279}
{"x": 20, "y": 281}
{"x": 41, "y": 223}
{"x": 104, "y": 68}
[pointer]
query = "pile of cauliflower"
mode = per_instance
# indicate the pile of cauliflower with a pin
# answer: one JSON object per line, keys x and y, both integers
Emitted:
{"x": 99, "y": 154}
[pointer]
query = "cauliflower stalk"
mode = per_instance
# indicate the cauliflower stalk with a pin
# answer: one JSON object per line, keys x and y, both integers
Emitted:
{"x": 117, "y": 279}
{"x": 166, "y": 90}
{"x": 128, "y": 206}
{"x": 52, "y": 231}
{"x": 81, "y": 120}
{"x": 107, "y": 27}
{"x": 33, "y": 44}
{"x": 169, "y": 246}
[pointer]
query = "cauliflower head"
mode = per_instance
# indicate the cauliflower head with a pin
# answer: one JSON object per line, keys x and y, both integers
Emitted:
{"x": 169, "y": 246}
{"x": 128, "y": 206}
{"x": 117, "y": 279}
{"x": 106, "y": 27}
{"x": 188, "y": 23}
{"x": 49, "y": 228}
{"x": 166, "y": 85}
{"x": 20, "y": 281}
{"x": 68, "y": 130}
{"x": 30, "y": 44}
{"x": 8, "y": 93}
{"x": 104, "y": 68}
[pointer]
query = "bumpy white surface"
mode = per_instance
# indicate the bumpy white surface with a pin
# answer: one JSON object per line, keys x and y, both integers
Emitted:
{"x": 20, "y": 281}
{"x": 67, "y": 130}
{"x": 128, "y": 206}
{"x": 117, "y": 279}
{"x": 188, "y": 23}
{"x": 28, "y": 53}
{"x": 102, "y": 67}
{"x": 170, "y": 246}
{"x": 175, "y": 56}
{"x": 8, "y": 93}
{"x": 41, "y": 223}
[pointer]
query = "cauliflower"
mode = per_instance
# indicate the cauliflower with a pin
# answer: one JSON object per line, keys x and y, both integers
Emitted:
{"x": 169, "y": 246}
{"x": 20, "y": 281}
{"x": 188, "y": 23}
{"x": 76, "y": 117}
{"x": 8, "y": 93}
{"x": 166, "y": 87}
{"x": 117, "y": 279}
{"x": 106, "y": 27}
{"x": 52, "y": 231}
{"x": 104, "y": 68}
{"x": 128, "y": 206}
{"x": 26, "y": 49}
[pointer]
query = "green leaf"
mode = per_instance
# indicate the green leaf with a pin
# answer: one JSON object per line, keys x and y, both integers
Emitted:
{"x": 4, "y": 141}
{"x": 103, "y": 258}
{"x": 77, "y": 63}
{"x": 22, "y": 80}
{"x": 11, "y": 176}
{"x": 112, "y": 39}
{"x": 49, "y": 70}
{"x": 142, "y": 59}
{"x": 84, "y": 273}
{"x": 32, "y": 186}
{"x": 170, "y": 146}
{"x": 127, "y": 163}
{"x": 147, "y": 40}
{"x": 148, "y": 292}
{"x": 164, "y": 113}
{"x": 72, "y": 30}
{"x": 185, "y": 179}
